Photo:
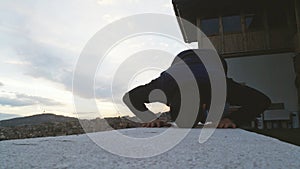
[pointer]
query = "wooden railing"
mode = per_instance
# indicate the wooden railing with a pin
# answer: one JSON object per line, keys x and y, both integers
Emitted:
{"x": 256, "y": 42}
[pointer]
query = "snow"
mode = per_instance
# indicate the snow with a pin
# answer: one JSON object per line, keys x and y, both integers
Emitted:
{"x": 227, "y": 148}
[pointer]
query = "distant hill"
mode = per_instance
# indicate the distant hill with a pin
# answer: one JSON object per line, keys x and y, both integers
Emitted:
{"x": 45, "y": 125}
{"x": 35, "y": 120}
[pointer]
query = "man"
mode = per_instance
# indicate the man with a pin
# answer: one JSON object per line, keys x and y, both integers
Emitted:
{"x": 252, "y": 102}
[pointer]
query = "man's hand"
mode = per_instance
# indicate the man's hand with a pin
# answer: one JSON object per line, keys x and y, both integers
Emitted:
{"x": 156, "y": 123}
{"x": 226, "y": 123}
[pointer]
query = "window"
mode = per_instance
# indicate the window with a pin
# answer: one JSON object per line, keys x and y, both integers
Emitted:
{"x": 232, "y": 24}
{"x": 249, "y": 21}
{"x": 210, "y": 26}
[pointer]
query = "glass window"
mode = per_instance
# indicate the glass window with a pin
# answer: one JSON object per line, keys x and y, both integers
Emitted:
{"x": 248, "y": 20}
{"x": 232, "y": 24}
{"x": 210, "y": 26}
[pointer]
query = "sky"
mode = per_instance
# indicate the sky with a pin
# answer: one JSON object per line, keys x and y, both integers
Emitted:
{"x": 41, "y": 41}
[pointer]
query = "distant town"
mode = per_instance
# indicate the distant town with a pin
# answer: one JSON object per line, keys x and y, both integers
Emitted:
{"x": 46, "y": 125}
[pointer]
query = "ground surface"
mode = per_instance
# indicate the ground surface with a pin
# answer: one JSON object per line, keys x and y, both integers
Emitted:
{"x": 225, "y": 149}
{"x": 288, "y": 135}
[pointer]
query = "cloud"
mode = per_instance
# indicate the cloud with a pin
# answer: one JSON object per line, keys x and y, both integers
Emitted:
{"x": 47, "y": 62}
{"x": 1, "y": 84}
{"x": 5, "y": 116}
{"x": 40, "y": 60}
{"x": 17, "y": 62}
{"x": 14, "y": 102}
{"x": 20, "y": 100}
{"x": 115, "y": 2}
{"x": 41, "y": 100}
{"x": 46, "y": 43}
{"x": 106, "y": 2}
{"x": 36, "y": 45}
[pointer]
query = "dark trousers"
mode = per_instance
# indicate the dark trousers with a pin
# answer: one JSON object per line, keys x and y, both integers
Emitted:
{"x": 252, "y": 102}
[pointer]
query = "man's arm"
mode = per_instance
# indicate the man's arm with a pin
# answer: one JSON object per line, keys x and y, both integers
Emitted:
{"x": 137, "y": 97}
{"x": 140, "y": 110}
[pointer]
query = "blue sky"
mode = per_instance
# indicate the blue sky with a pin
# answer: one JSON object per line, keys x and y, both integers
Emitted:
{"x": 40, "y": 42}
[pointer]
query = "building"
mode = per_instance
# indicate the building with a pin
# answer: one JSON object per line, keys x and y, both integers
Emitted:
{"x": 260, "y": 40}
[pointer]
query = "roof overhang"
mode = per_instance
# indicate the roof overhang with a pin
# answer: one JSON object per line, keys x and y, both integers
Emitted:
{"x": 190, "y": 10}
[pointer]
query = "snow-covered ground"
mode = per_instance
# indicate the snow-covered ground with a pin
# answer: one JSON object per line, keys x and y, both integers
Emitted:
{"x": 227, "y": 148}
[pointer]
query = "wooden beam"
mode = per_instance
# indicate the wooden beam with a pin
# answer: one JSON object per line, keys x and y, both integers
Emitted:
{"x": 199, "y": 34}
{"x": 244, "y": 29}
{"x": 296, "y": 61}
{"x": 221, "y": 31}
{"x": 297, "y": 12}
{"x": 289, "y": 20}
{"x": 266, "y": 29}
{"x": 258, "y": 52}
{"x": 297, "y": 46}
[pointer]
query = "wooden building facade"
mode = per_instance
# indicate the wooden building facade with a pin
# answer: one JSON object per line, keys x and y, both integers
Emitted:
{"x": 239, "y": 28}
{"x": 243, "y": 27}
